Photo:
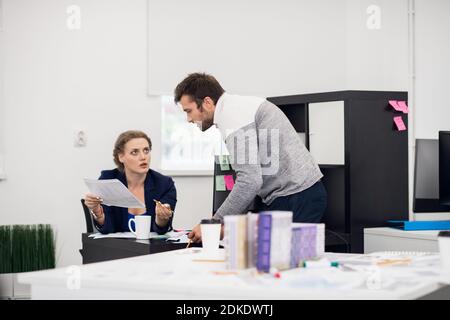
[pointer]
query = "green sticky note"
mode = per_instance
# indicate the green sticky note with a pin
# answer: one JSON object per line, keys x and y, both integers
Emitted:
{"x": 220, "y": 183}
{"x": 224, "y": 163}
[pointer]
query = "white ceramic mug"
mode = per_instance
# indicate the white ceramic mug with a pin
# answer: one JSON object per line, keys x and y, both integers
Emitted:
{"x": 142, "y": 224}
{"x": 444, "y": 249}
{"x": 210, "y": 229}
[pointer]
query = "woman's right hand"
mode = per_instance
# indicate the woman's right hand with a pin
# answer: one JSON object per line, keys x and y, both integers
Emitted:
{"x": 93, "y": 203}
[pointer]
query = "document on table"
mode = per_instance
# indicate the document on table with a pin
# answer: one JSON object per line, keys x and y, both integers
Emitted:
{"x": 125, "y": 235}
{"x": 182, "y": 237}
{"x": 114, "y": 193}
{"x": 177, "y": 237}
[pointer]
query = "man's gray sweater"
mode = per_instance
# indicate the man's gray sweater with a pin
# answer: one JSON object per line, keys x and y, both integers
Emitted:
{"x": 267, "y": 154}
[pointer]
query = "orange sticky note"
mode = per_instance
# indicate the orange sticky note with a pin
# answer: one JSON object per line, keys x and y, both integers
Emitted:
{"x": 399, "y": 123}
{"x": 403, "y": 106}
{"x": 229, "y": 182}
{"x": 394, "y": 104}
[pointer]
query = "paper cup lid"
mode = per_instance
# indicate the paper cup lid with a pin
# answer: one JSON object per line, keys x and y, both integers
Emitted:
{"x": 210, "y": 221}
{"x": 444, "y": 234}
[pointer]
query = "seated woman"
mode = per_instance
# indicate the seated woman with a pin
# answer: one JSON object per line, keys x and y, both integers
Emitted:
{"x": 132, "y": 157}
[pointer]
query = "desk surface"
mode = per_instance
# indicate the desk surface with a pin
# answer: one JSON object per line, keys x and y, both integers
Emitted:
{"x": 393, "y": 232}
{"x": 98, "y": 250}
{"x": 176, "y": 275}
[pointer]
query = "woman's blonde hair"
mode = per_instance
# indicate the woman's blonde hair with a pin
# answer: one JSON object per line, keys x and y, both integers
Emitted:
{"x": 122, "y": 140}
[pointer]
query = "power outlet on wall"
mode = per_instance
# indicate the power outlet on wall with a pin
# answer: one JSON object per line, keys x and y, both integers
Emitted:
{"x": 80, "y": 138}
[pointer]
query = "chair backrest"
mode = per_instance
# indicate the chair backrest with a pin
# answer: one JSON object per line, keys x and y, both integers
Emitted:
{"x": 88, "y": 217}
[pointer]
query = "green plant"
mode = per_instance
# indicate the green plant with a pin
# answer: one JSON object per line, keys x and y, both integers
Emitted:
{"x": 26, "y": 248}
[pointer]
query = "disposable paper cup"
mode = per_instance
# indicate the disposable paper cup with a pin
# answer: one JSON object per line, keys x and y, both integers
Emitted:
{"x": 444, "y": 249}
{"x": 210, "y": 229}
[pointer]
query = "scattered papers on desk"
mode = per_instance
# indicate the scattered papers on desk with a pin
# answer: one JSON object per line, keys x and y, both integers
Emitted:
{"x": 114, "y": 193}
{"x": 177, "y": 237}
{"x": 393, "y": 258}
{"x": 125, "y": 235}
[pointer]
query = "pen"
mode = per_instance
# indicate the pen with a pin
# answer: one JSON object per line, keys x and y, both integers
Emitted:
{"x": 158, "y": 202}
{"x": 189, "y": 243}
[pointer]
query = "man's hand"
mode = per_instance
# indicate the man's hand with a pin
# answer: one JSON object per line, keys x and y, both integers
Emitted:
{"x": 221, "y": 231}
{"x": 196, "y": 234}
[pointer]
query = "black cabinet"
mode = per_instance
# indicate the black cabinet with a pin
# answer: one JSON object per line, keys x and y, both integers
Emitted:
{"x": 371, "y": 186}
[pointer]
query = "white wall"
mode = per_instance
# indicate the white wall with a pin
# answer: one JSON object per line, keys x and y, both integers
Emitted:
{"x": 255, "y": 47}
{"x": 57, "y": 81}
{"x": 432, "y": 52}
{"x": 377, "y": 57}
{"x": 2, "y": 104}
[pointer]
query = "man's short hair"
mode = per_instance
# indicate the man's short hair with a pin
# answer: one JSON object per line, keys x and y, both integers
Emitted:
{"x": 199, "y": 86}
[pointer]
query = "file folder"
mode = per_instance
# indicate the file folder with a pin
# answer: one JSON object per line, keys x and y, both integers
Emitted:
{"x": 419, "y": 225}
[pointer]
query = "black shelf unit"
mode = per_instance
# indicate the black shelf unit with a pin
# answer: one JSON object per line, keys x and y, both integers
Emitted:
{"x": 372, "y": 185}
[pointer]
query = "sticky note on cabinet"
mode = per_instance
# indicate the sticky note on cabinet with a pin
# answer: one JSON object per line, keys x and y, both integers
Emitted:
{"x": 394, "y": 104}
{"x": 224, "y": 163}
{"x": 399, "y": 123}
{"x": 229, "y": 182}
{"x": 220, "y": 183}
{"x": 403, "y": 106}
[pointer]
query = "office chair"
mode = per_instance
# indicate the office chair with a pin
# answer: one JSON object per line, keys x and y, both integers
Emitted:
{"x": 88, "y": 217}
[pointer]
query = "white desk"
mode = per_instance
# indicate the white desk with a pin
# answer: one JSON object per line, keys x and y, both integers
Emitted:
{"x": 391, "y": 239}
{"x": 174, "y": 275}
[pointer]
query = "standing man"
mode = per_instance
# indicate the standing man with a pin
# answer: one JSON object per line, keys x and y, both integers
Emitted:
{"x": 267, "y": 154}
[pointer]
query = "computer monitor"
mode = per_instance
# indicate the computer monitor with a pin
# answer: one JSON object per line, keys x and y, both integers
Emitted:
{"x": 444, "y": 168}
{"x": 426, "y": 178}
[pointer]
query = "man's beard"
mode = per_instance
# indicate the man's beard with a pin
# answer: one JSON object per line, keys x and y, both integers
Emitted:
{"x": 204, "y": 125}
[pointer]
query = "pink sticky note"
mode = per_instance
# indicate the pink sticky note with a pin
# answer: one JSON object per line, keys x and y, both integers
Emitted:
{"x": 229, "y": 182}
{"x": 399, "y": 123}
{"x": 403, "y": 106}
{"x": 394, "y": 104}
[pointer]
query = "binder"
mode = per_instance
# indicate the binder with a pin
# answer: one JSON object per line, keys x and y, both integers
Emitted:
{"x": 303, "y": 246}
{"x": 264, "y": 238}
{"x": 419, "y": 225}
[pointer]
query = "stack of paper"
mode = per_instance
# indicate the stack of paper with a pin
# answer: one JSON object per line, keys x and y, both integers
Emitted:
{"x": 113, "y": 193}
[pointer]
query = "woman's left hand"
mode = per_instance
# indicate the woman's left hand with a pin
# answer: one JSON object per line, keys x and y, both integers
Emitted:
{"x": 163, "y": 213}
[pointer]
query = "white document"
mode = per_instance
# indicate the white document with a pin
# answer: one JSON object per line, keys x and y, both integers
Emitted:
{"x": 114, "y": 193}
{"x": 125, "y": 235}
{"x": 179, "y": 238}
